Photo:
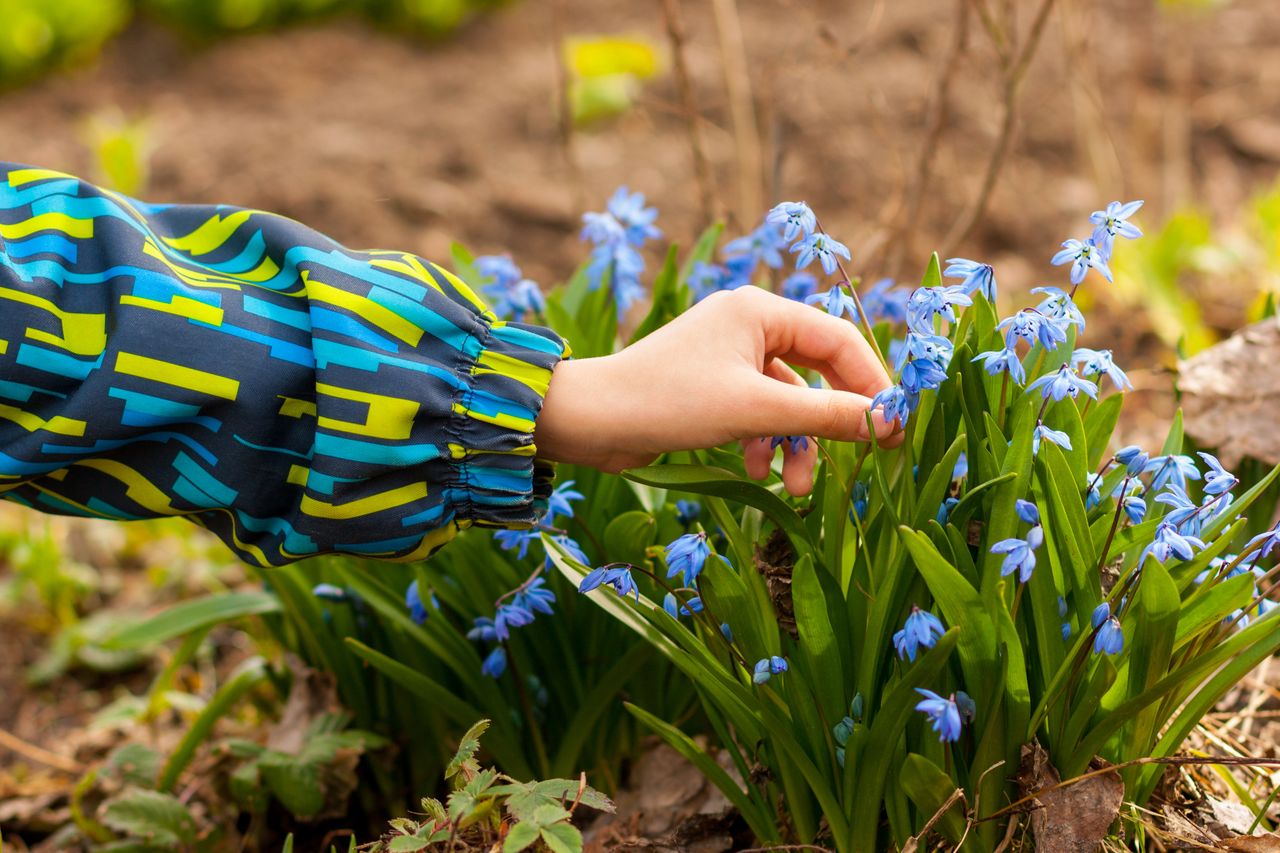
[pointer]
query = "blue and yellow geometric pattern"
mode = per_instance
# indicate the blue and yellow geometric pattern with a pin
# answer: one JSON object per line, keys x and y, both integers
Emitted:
{"x": 244, "y": 371}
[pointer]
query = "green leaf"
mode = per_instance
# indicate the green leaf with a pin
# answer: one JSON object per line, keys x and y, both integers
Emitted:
{"x": 521, "y": 836}
{"x": 818, "y": 604}
{"x": 627, "y": 536}
{"x": 407, "y": 844}
{"x": 151, "y": 816}
{"x": 1099, "y": 424}
{"x": 295, "y": 783}
{"x": 667, "y": 303}
{"x": 706, "y": 480}
{"x": 460, "y": 712}
{"x": 468, "y": 746}
{"x": 562, "y": 838}
{"x": 929, "y": 787}
{"x": 193, "y": 615}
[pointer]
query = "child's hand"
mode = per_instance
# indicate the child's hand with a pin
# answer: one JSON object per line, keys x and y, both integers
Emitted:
{"x": 713, "y": 375}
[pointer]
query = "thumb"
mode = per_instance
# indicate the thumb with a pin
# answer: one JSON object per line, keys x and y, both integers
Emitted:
{"x": 786, "y": 409}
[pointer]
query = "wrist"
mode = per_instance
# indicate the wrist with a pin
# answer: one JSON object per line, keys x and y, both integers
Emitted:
{"x": 565, "y": 429}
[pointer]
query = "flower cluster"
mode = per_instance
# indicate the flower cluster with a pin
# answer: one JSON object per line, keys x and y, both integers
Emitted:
{"x": 511, "y": 295}
{"x": 618, "y": 234}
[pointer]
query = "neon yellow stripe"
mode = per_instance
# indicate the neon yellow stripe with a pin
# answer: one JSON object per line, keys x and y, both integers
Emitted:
{"x": 21, "y": 177}
{"x": 138, "y": 488}
{"x": 387, "y": 417}
{"x": 31, "y": 422}
{"x": 364, "y": 506}
{"x": 533, "y": 376}
{"x": 406, "y": 265}
{"x": 181, "y": 306}
{"x": 210, "y": 235}
{"x": 176, "y": 375}
{"x": 82, "y": 334}
{"x": 384, "y": 318}
{"x": 431, "y": 541}
{"x": 461, "y": 286}
{"x": 458, "y": 451}
{"x": 4, "y": 346}
{"x": 81, "y": 228}
{"x": 297, "y": 475}
{"x": 295, "y": 408}
{"x": 503, "y": 420}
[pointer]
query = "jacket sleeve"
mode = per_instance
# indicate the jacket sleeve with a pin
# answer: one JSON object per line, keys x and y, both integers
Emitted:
{"x": 237, "y": 368}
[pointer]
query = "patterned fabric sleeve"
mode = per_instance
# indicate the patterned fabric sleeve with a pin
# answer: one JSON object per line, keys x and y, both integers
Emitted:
{"x": 237, "y": 368}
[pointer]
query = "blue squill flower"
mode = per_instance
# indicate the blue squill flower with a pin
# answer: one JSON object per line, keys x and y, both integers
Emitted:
{"x": 687, "y": 512}
{"x": 924, "y": 347}
{"x": 1168, "y": 542}
{"x": 705, "y": 279}
{"x": 517, "y": 540}
{"x": 794, "y": 217}
{"x": 687, "y": 555}
{"x": 1113, "y": 222}
{"x": 1093, "y": 496}
{"x": 1058, "y": 306}
{"x": 1108, "y": 638}
{"x": 1083, "y": 255}
{"x": 822, "y": 248}
{"x": 762, "y": 245}
{"x": 976, "y": 276}
{"x": 1019, "y": 554}
{"x": 618, "y": 577}
{"x": 836, "y": 302}
{"x": 1134, "y": 507}
{"x": 1003, "y": 361}
{"x": 944, "y": 509}
{"x": 413, "y": 601}
{"x": 795, "y": 443}
{"x": 768, "y": 667}
{"x": 944, "y": 714}
{"x": 920, "y": 374}
{"x": 496, "y": 663}
{"x": 1182, "y": 508}
{"x": 535, "y": 597}
{"x": 1027, "y": 511}
{"x": 558, "y": 502}
{"x": 629, "y": 210}
{"x": 675, "y": 608}
{"x": 885, "y": 303}
{"x": 926, "y": 303}
{"x": 497, "y": 271}
{"x": 1173, "y": 468}
{"x": 895, "y": 403}
{"x": 1063, "y": 383}
{"x": 1263, "y": 544}
{"x": 799, "y": 286}
{"x": 510, "y": 616}
{"x": 484, "y": 630}
{"x": 1133, "y": 457}
{"x": 1053, "y": 436}
{"x": 921, "y": 630}
{"x": 1218, "y": 479}
{"x": 1098, "y": 362}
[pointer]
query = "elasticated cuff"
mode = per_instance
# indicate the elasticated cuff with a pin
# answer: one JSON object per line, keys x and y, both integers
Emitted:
{"x": 497, "y": 479}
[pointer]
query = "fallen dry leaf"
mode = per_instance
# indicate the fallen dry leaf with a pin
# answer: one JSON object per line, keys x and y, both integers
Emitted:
{"x": 1075, "y": 818}
{"x": 1231, "y": 394}
{"x": 1268, "y": 843}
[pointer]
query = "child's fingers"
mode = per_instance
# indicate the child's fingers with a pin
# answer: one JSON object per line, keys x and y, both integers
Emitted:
{"x": 797, "y": 468}
{"x": 757, "y": 454}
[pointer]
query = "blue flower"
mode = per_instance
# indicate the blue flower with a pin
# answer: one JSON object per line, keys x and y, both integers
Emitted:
{"x": 843, "y": 730}
{"x": 629, "y": 210}
{"x": 925, "y": 303}
{"x": 571, "y": 547}
{"x": 1053, "y": 436}
{"x": 623, "y": 265}
{"x": 1171, "y": 469}
{"x": 1109, "y": 639}
{"x": 1133, "y": 457}
{"x": 1019, "y": 554}
{"x": 535, "y": 598}
{"x": 799, "y": 286}
{"x": 944, "y": 714}
{"x": 517, "y": 540}
{"x": 1059, "y": 307}
{"x": 1063, "y": 383}
{"x": 768, "y": 667}
{"x": 1134, "y": 507}
{"x": 1003, "y": 361}
{"x": 338, "y": 595}
{"x": 498, "y": 270}
{"x": 961, "y": 469}
{"x": 558, "y": 501}
{"x": 1027, "y": 511}
{"x": 484, "y": 630}
{"x": 919, "y": 374}
{"x": 944, "y": 509}
{"x": 619, "y": 577}
{"x": 687, "y": 512}
{"x": 726, "y": 631}
{"x": 1112, "y": 222}
{"x": 1097, "y": 362}
{"x": 836, "y": 302}
{"x": 1083, "y": 256}
{"x": 675, "y": 608}
{"x": 705, "y": 279}
{"x": 921, "y": 630}
{"x": 496, "y": 663}
{"x": 795, "y": 443}
{"x": 1033, "y": 328}
{"x": 1219, "y": 479}
{"x": 1093, "y": 497}
{"x": 687, "y": 555}
{"x": 1263, "y": 544}
{"x": 859, "y": 500}
{"x": 883, "y": 302}
{"x": 795, "y": 217}
{"x": 510, "y": 293}
{"x": 1100, "y": 614}
{"x": 976, "y": 276}
{"x": 413, "y": 601}
{"x": 1168, "y": 542}
{"x": 1183, "y": 509}
{"x": 763, "y": 244}
{"x": 510, "y": 616}
{"x": 822, "y": 248}
{"x": 895, "y": 403}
